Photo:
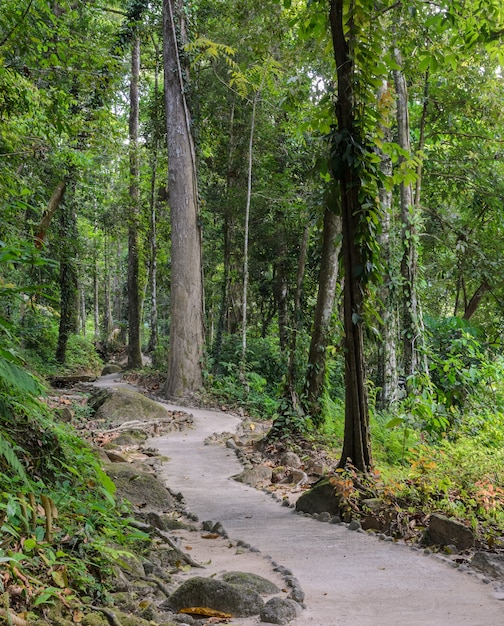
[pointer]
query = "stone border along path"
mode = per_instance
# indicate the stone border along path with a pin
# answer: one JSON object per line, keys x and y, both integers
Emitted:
{"x": 348, "y": 577}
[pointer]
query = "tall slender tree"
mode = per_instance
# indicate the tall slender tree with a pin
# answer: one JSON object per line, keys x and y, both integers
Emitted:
{"x": 134, "y": 297}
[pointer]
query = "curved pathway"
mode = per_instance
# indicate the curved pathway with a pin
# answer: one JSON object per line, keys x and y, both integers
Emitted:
{"x": 348, "y": 578}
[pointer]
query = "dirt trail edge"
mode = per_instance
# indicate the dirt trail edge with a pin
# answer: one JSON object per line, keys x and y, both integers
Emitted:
{"x": 348, "y": 577}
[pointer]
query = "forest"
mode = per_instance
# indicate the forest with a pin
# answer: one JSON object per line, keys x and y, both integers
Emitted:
{"x": 292, "y": 208}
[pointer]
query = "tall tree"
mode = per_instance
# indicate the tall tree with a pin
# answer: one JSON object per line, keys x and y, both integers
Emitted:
{"x": 134, "y": 297}
{"x": 328, "y": 278}
{"x": 185, "y": 358}
{"x": 352, "y": 37}
{"x": 68, "y": 272}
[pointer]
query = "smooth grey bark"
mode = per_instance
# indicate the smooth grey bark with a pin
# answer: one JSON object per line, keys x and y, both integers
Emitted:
{"x": 328, "y": 278}
{"x": 153, "y": 338}
{"x": 411, "y": 327}
{"x": 246, "y": 234}
{"x": 185, "y": 358}
{"x": 387, "y": 379}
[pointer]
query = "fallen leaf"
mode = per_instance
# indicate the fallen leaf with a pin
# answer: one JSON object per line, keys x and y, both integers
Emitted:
{"x": 77, "y": 617}
{"x": 210, "y": 536}
{"x": 205, "y": 612}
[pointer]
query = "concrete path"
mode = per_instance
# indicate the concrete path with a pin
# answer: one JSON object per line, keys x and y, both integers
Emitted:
{"x": 348, "y": 578}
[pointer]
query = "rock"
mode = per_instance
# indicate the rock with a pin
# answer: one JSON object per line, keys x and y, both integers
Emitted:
{"x": 372, "y": 504}
{"x": 133, "y": 438}
{"x": 111, "y": 368}
{"x": 64, "y": 414}
{"x": 280, "y": 611}
{"x": 319, "y": 498}
{"x": 296, "y": 593}
{"x": 255, "y": 477}
{"x": 215, "y": 594}
{"x": 115, "y": 457}
{"x": 489, "y": 563}
{"x": 290, "y": 459}
{"x": 122, "y": 405}
{"x": 250, "y": 581}
{"x": 316, "y": 468}
{"x": 141, "y": 489}
{"x": 279, "y": 475}
{"x": 354, "y": 525}
{"x": 444, "y": 531}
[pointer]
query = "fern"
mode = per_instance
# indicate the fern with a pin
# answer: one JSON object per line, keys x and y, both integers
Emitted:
{"x": 8, "y": 453}
{"x": 13, "y": 375}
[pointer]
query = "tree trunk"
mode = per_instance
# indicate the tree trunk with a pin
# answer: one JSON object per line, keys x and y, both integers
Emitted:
{"x": 291, "y": 368}
{"x": 96, "y": 301}
{"x": 356, "y": 443}
{"x": 411, "y": 324}
{"x": 153, "y": 339}
{"x": 387, "y": 379}
{"x": 82, "y": 309}
{"x": 134, "y": 305}
{"x": 187, "y": 314}
{"x": 474, "y": 302}
{"x": 328, "y": 278}
{"x": 68, "y": 278}
{"x": 52, "y": 207}
{"x": 280, "y": 287}
{"x": 246, "y": 234}
{"x": 108, "y": 320}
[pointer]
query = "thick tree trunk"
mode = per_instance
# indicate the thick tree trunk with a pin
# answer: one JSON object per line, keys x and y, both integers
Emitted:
{"x": 68, "y": 278}
{"x": 185, "y": 359}
{"x": 356, "y": 443}
{"x": 328, "y": 278}
{"x": 134, "y": 303}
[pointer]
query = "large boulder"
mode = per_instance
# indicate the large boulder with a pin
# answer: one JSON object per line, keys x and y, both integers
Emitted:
{"x": 217, "y": 595}
{"x": 117, "y": 406}
{"x": 254, "y": 582}
{"x": 319, "y": 499}
{"x": 444, "y": 531}
{"x": 141, "y": 489}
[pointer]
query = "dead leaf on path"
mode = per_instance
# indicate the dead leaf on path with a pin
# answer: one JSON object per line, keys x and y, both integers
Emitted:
{"x": 188, "y": 547}
{"x": 205, "y": 612}
{"x": 210, "y": 536}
